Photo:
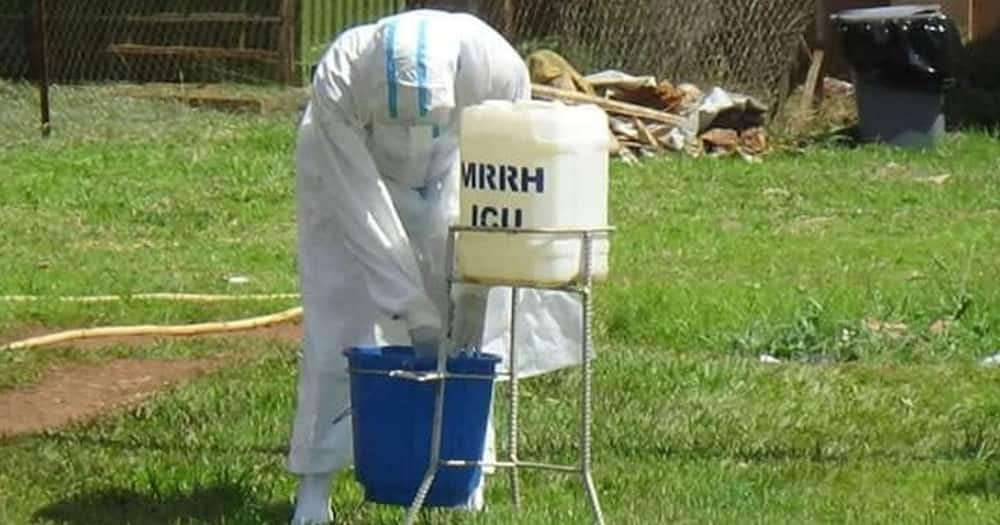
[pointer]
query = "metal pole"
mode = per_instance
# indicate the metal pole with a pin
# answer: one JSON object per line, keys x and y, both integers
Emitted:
{"x": 515, "y": 483}
{"x": 41, "y": 27}
{"x": 435, "y": 453}
{"x": 434, "y": 462}
{"x": 586, "y": 462}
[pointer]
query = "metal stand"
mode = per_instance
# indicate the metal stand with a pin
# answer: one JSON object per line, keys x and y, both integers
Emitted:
{"x": 581, "y": 286}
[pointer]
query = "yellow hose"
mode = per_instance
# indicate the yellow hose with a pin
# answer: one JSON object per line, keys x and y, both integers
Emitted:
{"x": 190, "y": 297}
{"x": 292, "y": 314}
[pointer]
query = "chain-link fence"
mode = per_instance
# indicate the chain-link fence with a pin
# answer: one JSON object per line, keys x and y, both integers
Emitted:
{"x": 741, "y": 45}
{"x": 322, "y": 20}
{"x": 15, "y": 35}
{"x": 103, "y": 54}
{"x": 142, "y": 41}
{"x": 746, "y": 45}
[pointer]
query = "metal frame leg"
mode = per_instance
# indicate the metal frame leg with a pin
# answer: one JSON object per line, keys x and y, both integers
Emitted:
{"x": 513, "y": 397}
{"x": 587, "y": 410}
{"x": 434, "y": 462}
{"x": 586, "y": 462}
{"x": 435, "y": 453}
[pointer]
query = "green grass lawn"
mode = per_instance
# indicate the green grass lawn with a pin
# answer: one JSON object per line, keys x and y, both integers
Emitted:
{"x": 715, "y": 263}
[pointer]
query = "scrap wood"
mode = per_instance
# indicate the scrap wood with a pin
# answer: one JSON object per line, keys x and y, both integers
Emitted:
{"x": 549, "y": 68}
{"x": 833, "y": 87}
{"x": 727, "y": 139}
{"x": 260, "y": 55}
{"x": 644, "y": 91}
{"x": 673, "y": 138}
{"x": 610, "y": 79}
{"x": 812, "y": 88}
{"x": 623, "y": 129}
{"x": 645, "y": 135}
{"x": 611, "y": 106}
{"x": 722, "y": 109}
{"x": 748, "y": 143}
{"x": 662, "y": 97}
{"x": 754, "y": 140}
{"x": 208, "y": 97}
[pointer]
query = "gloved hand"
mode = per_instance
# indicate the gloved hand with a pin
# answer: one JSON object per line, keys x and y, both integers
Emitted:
{"x": 426, "y": 341}
{"x": 470, "y": 316}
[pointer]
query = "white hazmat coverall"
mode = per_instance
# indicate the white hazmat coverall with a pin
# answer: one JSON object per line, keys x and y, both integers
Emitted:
{"x": 377, "y": 186}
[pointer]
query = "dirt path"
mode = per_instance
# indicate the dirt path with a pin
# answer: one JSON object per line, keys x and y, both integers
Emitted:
{"x": 71, "y": 394}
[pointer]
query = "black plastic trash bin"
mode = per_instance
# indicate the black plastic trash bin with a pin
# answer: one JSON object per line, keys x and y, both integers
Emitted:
{"x": 905, "y": 59}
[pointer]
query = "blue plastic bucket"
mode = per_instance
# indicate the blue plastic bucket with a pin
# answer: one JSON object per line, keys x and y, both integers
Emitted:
{"x": 393, "y": 421}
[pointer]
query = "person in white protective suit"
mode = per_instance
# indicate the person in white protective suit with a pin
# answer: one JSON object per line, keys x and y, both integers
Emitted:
{"x": 377, "y": 186}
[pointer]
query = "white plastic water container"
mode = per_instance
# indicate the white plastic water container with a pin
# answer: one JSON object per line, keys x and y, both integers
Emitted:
{"x": 532, "y": 165}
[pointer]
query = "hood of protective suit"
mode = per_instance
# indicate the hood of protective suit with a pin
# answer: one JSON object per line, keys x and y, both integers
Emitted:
{"x": 419, "y": 62}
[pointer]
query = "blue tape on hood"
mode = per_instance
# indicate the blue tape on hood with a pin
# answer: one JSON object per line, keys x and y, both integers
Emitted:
{"x": 390, "y": 69}
{"x": 423, "y": 91}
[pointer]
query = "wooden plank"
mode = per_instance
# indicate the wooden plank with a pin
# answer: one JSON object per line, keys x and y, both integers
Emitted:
{"x": 184, "y": 18}
{"x": 611, "y": 106}
{"x": 159, "y": 18}
{"x": 217, "y": 102}
{"x": 812, "y": 81}
{"x": 261, "y": 55}
{"x": 645, "y": 135}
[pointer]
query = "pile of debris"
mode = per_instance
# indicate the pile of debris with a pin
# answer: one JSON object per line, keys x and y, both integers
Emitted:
{"x": 648, "y": 118}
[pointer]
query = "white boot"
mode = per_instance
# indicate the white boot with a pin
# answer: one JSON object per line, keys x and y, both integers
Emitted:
{"x": 490, "y": 447}
{"x": 312, "y": 500}
{"x": 477, "y": 500}
{"x": 477, "y": 503}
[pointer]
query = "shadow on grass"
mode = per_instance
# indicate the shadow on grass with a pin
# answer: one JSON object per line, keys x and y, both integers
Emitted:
{"x": 221, "y": 504}
{"x": 161, "y": 446}
{"x": 983, "y": 485}
{"x": 844, "y": 137}
{"x": 974, "y": 105}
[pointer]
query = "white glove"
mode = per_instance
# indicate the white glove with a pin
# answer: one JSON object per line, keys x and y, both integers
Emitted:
{"x": 426, "y": 341}
{"x": 470, "y": 316}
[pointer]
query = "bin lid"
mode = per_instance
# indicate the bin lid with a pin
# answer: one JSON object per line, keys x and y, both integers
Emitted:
{"x": 898, "y": 12}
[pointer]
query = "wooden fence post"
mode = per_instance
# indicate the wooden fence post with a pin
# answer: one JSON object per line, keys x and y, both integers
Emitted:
{"x": 42, "y": 64}
{"x": 508, "y": 19}
{"x": 286, "y": 41}
{"x": 297, "y": 38}
{"x": 984, "y": 20}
